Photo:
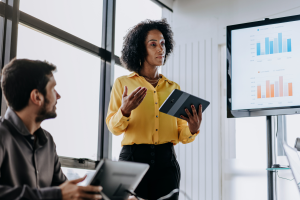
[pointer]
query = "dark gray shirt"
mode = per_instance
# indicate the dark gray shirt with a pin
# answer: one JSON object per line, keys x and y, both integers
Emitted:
{"x": 27, "y": 171}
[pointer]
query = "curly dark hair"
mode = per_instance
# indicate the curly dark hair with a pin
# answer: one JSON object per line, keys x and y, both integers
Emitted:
{"x": 134, "y": 50}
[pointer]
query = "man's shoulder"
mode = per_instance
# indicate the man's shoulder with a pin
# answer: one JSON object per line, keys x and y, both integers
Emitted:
{"x": 4, "y": 129}
{"x": 48, "y": 135}
{"x": 5, "y": 134}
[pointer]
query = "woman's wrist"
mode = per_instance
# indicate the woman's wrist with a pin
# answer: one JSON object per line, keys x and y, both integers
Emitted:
{"x": 125, "y": 113}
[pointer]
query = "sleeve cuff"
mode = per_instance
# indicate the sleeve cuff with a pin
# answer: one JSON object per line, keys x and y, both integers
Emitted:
{"x": 190, "y": 137}
{"x": 53, "y": 193}
{"x": 120, "y": 118}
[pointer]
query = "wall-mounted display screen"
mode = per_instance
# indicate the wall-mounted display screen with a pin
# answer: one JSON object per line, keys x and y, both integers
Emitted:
{"x": 264, "y": 65}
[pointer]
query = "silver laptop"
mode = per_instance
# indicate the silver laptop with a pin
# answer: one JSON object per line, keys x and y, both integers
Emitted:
{"x": 294, "y": 161}
{"x": 118, "y": 177}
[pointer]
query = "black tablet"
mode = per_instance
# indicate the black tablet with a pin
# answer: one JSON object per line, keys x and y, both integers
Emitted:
{"x": 117, "y": 178}
{"x": 178, "y": 100}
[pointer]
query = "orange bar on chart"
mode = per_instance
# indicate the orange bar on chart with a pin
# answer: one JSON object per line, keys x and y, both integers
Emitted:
{"x": 281, "y": 86}
{"x": 272, "y": 90}
{"x": 258, "y": 91}
{"x": 290, "y": 89}
{"x": 268, "y": 89}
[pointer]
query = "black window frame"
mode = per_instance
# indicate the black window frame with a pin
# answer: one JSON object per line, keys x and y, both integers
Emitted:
{"x": 9, "y": 10}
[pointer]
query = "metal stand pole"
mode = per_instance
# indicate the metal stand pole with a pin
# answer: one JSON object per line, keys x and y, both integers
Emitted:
{"x": 271, "y": 157}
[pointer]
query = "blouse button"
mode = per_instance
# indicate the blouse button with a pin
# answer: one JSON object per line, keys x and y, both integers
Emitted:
{"x": 156, "y": 116}
{"x": 154, "y": 91}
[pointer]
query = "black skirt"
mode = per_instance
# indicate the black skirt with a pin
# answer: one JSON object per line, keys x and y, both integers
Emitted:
{"x": 163, "y": 175}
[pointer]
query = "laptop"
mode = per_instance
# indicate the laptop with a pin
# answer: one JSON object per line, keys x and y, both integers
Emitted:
{"x": 294, "y": 161}
{"x": 118, "y": 178}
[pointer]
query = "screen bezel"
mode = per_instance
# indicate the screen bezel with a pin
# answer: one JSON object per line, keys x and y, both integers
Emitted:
{"x": 287, "y": 110}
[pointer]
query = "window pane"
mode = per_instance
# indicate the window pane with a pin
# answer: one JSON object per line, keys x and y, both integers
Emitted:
{"x": 248, "y": 170}
{"x": 293, "y": 127}
{"x": 130, "y": 13}
{"x": 80, "y": 18}
{"x": 116, "y": 140}
{"x": 75, "y": 130}
{"x": 288, "y": 189}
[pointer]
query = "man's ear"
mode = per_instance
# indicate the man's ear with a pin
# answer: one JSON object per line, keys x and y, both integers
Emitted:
{"x": 36, "y": 97}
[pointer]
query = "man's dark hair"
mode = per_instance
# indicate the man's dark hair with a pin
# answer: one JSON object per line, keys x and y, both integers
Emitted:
{"x": 134, "y": 50}
{"x": 20, "y": 77}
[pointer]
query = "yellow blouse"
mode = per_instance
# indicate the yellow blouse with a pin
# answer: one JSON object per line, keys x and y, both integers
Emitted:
{"x": 146, "y": 125}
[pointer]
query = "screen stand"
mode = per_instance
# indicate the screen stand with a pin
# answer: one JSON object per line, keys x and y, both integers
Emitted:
{"x": 271, "y": 159}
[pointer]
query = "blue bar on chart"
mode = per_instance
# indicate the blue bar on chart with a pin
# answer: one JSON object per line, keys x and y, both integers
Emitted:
{"x": 271, "y": 47}
{"x": 284, "y": 45}
{"x": 275, "y": 45}
{"x": 267, "y": 44}
{"x": 279, "y": 42}
{"x": 289, "y": 45}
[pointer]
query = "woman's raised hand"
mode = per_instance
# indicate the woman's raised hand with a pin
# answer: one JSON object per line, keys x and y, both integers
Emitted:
{"x": 132, "y": 101}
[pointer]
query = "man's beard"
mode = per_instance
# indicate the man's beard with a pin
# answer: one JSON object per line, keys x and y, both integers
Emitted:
{"x": 44, "y": 114}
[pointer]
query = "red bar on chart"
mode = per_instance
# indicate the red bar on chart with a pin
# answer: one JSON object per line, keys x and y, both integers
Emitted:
{"x": 268, "y": 89}
{"x": 281, "y": 86}
{"x": 290, "y": 89}
{"x": 258, "y": 91}
{"x": 272, "y": 90}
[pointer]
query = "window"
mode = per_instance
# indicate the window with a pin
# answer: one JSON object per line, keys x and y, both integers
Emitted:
{"x": 69, "y": 35}
{"x": 78, "y": 83}
{"x": 248, "y": 170}
{"x": 287, "y": 188}
{"x": 80, "y": 18}
{"x": 129, "y": 13}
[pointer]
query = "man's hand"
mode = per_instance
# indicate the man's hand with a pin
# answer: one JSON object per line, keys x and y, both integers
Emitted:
{"x": 70, "y": 190}
{"x": 194, "y": 121}
{"x": 133, "y": 100}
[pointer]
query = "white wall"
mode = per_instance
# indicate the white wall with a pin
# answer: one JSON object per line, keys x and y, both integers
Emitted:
{"x": 199, "y": 29}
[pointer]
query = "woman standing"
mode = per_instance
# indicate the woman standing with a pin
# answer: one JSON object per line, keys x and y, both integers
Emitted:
{"x": 149, "y": 135}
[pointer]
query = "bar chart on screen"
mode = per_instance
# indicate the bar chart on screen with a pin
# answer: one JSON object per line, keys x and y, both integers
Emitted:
{"x": 265, "y": 66}
{"x": 279, "y": 43}
{"x": 273, "y": 88}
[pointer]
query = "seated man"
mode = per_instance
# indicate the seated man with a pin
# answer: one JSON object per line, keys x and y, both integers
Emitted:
{"x": 29, "y": 165}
